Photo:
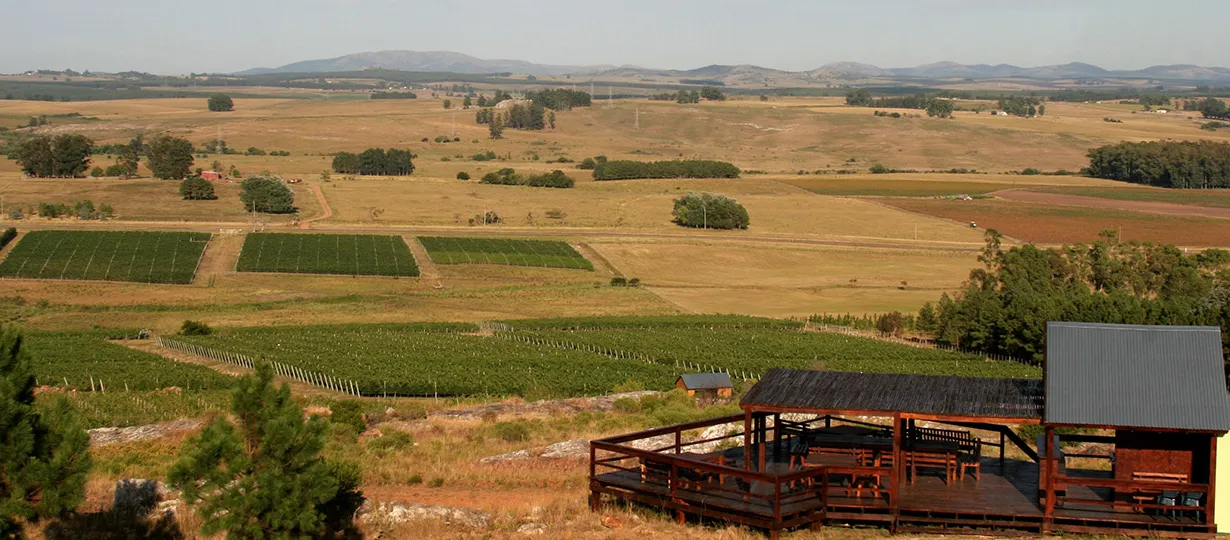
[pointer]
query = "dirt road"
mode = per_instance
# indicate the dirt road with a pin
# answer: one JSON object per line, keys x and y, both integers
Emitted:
{"x": 1148, "y": 207}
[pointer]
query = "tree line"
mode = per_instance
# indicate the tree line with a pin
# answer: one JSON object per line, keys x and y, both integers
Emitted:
{"x": 560, "y": 99}
{"x": 1172, "y": 164}
{"x": 531, "y": 117}
{"x": 691, "y": 96}
{"x": 696, "y": 168}
{"x": 935, "y": 106}
{"x": 509, "y": 177}
{"x": 394, "y": 95}
{"x": 375, "y": 161}
{"x": 1209, "y": 107}
{"x": 1023, "y": 106}
{"x": 1005, "y": 305}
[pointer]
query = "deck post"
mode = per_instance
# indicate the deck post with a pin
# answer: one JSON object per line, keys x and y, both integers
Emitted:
{"x": 678, "y": 441}
{"x": 1048, "y": 518}
{"x": 894, "y": 475}
{"x": 747, "y": 440}
{"x": 764, "y": 424}
{"x": 777, "y": 436}
{"x": 1208, "y": 499}
{"x": 1001, "y": 448}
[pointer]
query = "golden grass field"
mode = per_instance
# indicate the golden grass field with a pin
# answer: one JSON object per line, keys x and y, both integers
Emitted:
{"x": 755, "y": 271}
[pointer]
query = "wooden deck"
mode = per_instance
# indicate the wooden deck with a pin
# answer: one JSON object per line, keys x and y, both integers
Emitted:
{"x": 1005, "y": 498}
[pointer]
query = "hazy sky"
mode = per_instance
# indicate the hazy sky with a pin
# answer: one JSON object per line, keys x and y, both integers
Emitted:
{"x": 177, "y": 36}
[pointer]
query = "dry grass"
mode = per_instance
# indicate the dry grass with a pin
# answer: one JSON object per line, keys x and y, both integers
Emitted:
{"x": 789, "y": 280}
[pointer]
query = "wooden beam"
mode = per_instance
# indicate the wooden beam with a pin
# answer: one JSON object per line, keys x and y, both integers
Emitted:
{"x": 1208, "y": 501}
{"x": 894, "y": 478}
{"x": 1048, "y": 518}
{"x": 760, "y": 431}
{"x": 747, "y": 439}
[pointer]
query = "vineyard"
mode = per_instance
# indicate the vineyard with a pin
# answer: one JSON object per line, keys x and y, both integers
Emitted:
{"x": 123, "y": 409}
{"x": 542, "y": 253}
{"x": 426, "y": 359}
{"x": 343, "y": 254}
{"x": 753, "y": 351}
{"x": 85, "y": 361}
{"x": 147, "y": 257}
{"x": 421, "y": 360}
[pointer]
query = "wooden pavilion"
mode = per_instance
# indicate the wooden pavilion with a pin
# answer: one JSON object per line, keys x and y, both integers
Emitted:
{"x": 1127, "y": 420}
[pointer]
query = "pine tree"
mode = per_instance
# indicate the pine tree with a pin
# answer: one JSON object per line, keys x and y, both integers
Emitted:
{"x": 44, "y": 457}
{"x": 263, "y": 476}
{"x": 551, "y": 119}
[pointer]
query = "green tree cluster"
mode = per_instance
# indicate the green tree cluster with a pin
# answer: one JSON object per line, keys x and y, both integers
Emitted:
{"x": 1020, "y": 106}
{"x": 509, "y": 177}
{"x": 499, "y": 96}
{"x": 44, "y": 452}
{"x": 375, "y": 161}
{"x": 1005, "y": 305}
{"x": 169, "y": 158}
{"x": 560, "y": 99}
{"x": 709, "y": 211}
{"x": 1210, "y": 107}
{"x": 941, "y": 108}
{"x": 195, "y": 188}
{"x": 712, "y": 94}
{"x": 221, "y": 103}
{"x": 684, "y": 96}
{"x": 268, "y": 194}
{"x": 65, "y": 156}
{"x": 1172, "y": 164}
{"x": 627, "y": 169}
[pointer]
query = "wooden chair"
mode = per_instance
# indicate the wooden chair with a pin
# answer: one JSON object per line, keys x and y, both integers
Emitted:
{"x": 971, "y": 459}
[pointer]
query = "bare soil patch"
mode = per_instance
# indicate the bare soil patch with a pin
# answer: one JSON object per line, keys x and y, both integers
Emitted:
{"x": 1150, "y": 207}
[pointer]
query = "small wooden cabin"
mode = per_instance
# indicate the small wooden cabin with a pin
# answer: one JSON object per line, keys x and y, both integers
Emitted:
{"x": 706, "y": 385}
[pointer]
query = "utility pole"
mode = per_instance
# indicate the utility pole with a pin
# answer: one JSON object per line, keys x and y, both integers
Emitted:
{"x": 454, "y": 123}
{"x": 637, "y": 126}
{"x": 609, "y": 94}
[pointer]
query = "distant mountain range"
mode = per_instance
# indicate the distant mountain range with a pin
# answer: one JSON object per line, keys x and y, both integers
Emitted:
{"x": 445, "y": 61}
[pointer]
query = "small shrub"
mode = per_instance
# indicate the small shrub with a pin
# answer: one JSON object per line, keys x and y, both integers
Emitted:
{"x": 349, "y": 412}
{"x": 195, "y": 328}
{"x": 629, "y": 385}
{"x": 393, "y": 441}
{"x": 97, "y": 172}
{"x": 114, "y": 170}
{"x": 634, "y": 282}
{"x": 587, "y": 164}
{"x": 511, "y": 431}
{"x": 1031, "y": 172}
{"x": 463, "y": 175}
{"x": 880, "y": 168}
{"x": 556, "y": 213}
{"x": 436, "y": 482}
{"x": 619, "y": 282}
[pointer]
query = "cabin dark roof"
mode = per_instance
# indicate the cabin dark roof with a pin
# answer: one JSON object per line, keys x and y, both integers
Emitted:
{"x": 967, "y": 397}
{"x": 706, "y": 381}
{"x": 1166, "y": 377}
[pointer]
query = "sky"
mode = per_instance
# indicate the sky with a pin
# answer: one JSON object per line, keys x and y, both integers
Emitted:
{"x": 216, "y": 36}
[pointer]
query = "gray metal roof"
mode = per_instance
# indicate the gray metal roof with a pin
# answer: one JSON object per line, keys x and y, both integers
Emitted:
{"x": 706, "y": 381}
{"x": 943, "y": 395}
{"x": 1165, "y": 377}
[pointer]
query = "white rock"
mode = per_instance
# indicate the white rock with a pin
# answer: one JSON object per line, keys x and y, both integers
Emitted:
{"x": 532, "y": 529}
{"x": 404, "y": 512}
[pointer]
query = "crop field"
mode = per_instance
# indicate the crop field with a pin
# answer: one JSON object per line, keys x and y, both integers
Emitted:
{"x": 81, "y": 359}
{"x": 1218, "y": 198}
{"x": 147, "y": 257}
{"x": 756, "y": 350}
{"x": 1048, "y": 224}
{"x": 541, "y": 253}
{"x": 124, "y": 409}
{"x": 424, "y": 360}
{"x": 345, "y": 254}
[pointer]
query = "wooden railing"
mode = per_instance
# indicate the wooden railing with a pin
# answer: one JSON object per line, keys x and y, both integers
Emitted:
{"x": 788, "y": 499}
{"x": 1130, "y": 487}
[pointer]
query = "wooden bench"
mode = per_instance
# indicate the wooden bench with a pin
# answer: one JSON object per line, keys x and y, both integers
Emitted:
{"x": 1142, "y": 496}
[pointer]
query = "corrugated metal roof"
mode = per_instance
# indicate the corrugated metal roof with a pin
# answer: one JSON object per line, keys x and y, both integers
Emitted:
{"x": 706, "y": 381}
{"x": 1168, "y": 377}
{"x": 969, "y": 397}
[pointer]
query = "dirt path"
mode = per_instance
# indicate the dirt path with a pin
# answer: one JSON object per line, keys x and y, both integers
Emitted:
{"x": 427, "y": 268}
{"x": 220, "y": 257}
{"x": 600, "y": 262}
{"x": 325, "y": 211}
{"x": 1148, "y": 207}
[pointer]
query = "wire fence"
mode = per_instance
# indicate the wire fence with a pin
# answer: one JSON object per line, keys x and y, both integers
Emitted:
{"x": 323, "y": 380}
